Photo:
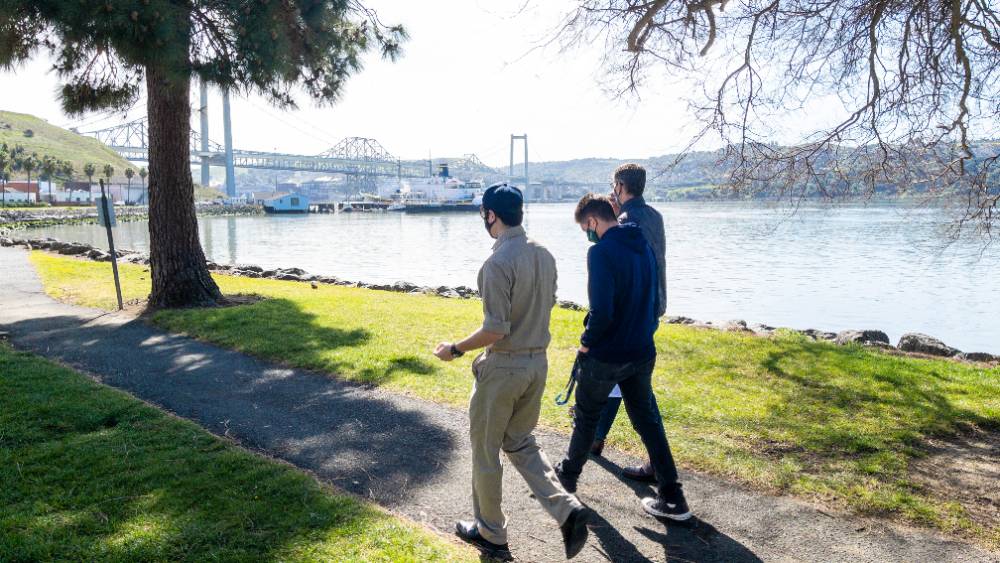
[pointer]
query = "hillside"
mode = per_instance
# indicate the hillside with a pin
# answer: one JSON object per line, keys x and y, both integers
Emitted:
{"x": 47, "y": 139}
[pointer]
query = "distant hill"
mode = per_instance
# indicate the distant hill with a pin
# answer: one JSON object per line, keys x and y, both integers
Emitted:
{"x": 37, "y": 135}
{"x": 695, "y": 176}
{"x": 696, "y": 168}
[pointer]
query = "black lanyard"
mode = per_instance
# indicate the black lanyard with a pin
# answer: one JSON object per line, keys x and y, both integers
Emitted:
{"x": 563, "y": 398}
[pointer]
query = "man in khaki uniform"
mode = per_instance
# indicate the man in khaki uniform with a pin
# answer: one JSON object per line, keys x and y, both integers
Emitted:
{"x": 517, "y": 284}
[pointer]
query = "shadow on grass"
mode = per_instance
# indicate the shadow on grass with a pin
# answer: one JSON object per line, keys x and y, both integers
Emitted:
{"x": 279, "y": 330}
{"x": 359, "y": 441}
{"x": 854, "y": 401}
{"x": 100, "y": 476}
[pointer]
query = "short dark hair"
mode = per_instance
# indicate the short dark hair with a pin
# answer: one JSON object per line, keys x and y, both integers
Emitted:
{"x": 597, "y": 206}
{"x": 506, "y": 202}
{"x": 633, "y": 176}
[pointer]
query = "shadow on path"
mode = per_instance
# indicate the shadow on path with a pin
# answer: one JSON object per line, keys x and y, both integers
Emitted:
{"x": 693, "y": 540}
{"x": 340, "y": 430}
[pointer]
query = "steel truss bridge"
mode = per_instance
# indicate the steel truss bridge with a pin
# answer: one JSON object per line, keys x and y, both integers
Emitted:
{"x": 353, "y": 156}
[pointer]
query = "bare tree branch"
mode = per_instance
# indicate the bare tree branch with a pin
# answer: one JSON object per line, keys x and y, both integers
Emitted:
{"x": 918, "y": 82}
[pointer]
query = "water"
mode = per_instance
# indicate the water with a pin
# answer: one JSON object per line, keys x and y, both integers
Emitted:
{"x": 884, "y": 267}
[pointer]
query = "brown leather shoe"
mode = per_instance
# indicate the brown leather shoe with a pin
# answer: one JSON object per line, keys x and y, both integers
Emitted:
{"x": 643, "y": 473}
{"x": 597, "y": 448}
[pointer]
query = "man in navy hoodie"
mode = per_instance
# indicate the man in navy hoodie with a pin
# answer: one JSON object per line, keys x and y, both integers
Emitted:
{"x": 617, "y": 349}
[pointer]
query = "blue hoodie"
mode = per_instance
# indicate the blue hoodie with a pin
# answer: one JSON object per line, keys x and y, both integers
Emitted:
{"x": 622, "y": 287}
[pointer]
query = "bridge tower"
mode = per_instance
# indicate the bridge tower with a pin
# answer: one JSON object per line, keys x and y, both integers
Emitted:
{"x": 206, "y": 175}
{"x": 510, "y": 171}
{"x": 227, "y": 128}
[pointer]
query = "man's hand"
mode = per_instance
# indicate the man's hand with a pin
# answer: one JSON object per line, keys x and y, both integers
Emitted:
{"x": 443, "y": 352}
{"x": 584, "y": 349}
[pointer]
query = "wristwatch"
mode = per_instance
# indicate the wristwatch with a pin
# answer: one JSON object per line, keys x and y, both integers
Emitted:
{"x": 455, "y": 352}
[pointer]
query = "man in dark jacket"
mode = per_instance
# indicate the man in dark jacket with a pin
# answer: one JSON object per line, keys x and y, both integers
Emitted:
{"x": 617, "y": 349}
{"x": 627, "y": 190}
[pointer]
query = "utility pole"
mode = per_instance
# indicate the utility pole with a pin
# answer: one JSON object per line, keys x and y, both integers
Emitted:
{"x": 510, "y": 171}
{"x": 206, "y": 176}
{"x": 227, "y": 127}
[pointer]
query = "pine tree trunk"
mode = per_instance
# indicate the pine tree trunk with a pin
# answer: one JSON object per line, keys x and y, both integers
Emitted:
{"x": 176, "y": 260}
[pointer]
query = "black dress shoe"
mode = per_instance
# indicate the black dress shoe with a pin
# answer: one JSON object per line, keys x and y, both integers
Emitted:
{"x": 469, "y": 533}
{"x": 574, "y": 531}
{"x": 643, "y": 473}
{"x": 597, "y": 448}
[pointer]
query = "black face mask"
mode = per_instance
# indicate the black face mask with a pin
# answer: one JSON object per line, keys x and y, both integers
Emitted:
{"x": 487, "y": 224}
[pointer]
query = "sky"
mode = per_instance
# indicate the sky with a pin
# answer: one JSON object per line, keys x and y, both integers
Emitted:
{"x": 473, "y": 73}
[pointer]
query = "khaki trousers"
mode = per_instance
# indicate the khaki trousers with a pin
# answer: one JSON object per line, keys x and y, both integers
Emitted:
{"x": 503, "y": 412}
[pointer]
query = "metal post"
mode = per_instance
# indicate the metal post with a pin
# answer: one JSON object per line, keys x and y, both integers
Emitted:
{"x": 206, "y": 175}
{"x": 227, "y": 127}
{"x": 111, "y": 244}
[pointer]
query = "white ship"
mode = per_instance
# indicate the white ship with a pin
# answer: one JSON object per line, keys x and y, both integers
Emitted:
{"x": 437, "y": 193}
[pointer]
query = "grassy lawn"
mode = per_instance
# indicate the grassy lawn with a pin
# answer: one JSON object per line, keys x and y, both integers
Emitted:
{"x": 88, "y": 473}
{"x": 841, "y": 424}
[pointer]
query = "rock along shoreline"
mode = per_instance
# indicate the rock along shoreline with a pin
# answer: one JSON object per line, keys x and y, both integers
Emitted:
{"x": 913, "y": 343}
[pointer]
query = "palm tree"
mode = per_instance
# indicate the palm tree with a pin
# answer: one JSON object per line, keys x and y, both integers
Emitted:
{"x": 4, "y": 178}
{"x": 28, "y": 164}
{"x": 16, "y": 161}
{"x": 109, "y": 171}
{"x": 89, "y": 170}
{"x": 129, "y": 172}
{"x": 142, "y": 174}
{"x": 4, "y": 166}
{"x": 49, "y": 168}
{"x": 66, "y": 171}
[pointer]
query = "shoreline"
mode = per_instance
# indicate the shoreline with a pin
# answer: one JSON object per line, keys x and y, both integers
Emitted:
{"x": 910, "y": 344}
{"x": 36, "y": 217}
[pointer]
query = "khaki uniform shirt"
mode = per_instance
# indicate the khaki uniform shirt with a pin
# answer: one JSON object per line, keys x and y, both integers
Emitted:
{"x": 518, "y": 286}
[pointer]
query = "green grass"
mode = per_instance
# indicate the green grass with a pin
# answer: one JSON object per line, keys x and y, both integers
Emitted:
{"x": 88, "y": 473}
{"x": 839, "y": 424}
{"x": 59, "y": 143}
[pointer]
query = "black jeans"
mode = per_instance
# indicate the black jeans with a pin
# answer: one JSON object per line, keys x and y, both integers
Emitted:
{"x": 607, "y": 420}
{"x": 595, "y": 380}
{"x": 610, "y": 413}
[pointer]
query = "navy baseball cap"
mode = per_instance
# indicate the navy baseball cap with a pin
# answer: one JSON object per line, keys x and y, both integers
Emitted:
{"x": 501, "y": 198}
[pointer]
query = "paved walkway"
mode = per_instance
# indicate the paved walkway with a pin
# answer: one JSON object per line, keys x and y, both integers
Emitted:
{"x": 412, "y": 456}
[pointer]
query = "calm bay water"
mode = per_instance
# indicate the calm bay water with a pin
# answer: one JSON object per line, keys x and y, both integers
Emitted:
{"x": 883, "y": 267}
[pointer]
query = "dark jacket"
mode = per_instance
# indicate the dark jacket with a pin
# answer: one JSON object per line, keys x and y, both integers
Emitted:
{"x": 622, "y": 319}
{"x": 637, "y": 211}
